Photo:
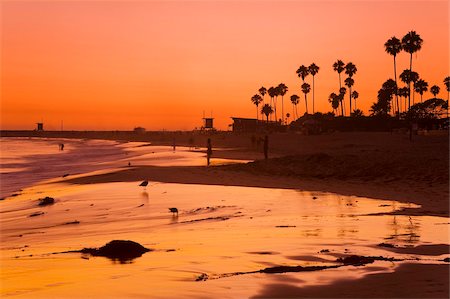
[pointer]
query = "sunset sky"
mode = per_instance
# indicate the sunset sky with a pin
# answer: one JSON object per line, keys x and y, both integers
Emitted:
{"x": 107, "y": 65}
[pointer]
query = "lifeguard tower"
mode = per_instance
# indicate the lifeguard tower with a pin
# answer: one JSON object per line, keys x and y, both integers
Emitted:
{"x": 208, "y": 123}
{"x": 40, "y": 127}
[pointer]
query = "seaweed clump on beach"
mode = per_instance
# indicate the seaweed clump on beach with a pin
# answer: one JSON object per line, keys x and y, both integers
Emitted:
{"x": 46, "y": 201}
{"x": 123, "y": 251}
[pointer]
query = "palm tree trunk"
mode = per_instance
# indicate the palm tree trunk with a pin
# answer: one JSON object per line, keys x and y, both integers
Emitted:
{"x": 275, "y": 108}
{"x": 421, "y": 97}
{"x": 282, "y": 109}
{"x": 396, "y": 86}
{"x": 313, "y": 95}
{"x": 342, "y": 108}
{"x": 257, "y": 113}
{"x": 409, "y": 83}
{"x": 296, "y": 110}
{"x": 350, "y": 96}
{"x": 306, "y": 104}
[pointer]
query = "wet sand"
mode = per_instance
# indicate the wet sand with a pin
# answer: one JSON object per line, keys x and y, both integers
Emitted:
{"x": 382, "y": 279}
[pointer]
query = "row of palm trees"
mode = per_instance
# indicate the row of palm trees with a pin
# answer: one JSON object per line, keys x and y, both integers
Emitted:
{"x": 337, "y": 100}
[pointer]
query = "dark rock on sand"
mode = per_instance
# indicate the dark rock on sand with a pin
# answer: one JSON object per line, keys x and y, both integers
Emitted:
{"x": 46, "y": 201}
{"x": 447, "y": 260}
{"x": 386, "y": 245}
{"x": 121, "y": 250}
{"x": 358, "y": 260}
{"x": 36, "y": 214}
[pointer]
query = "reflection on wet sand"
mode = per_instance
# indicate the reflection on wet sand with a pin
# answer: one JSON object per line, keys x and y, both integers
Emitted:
{"x": 217, "y": 230}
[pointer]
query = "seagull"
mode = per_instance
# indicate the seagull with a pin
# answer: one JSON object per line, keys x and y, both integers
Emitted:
{"x": 174, "y": 210}
{"x": 144, "y": 184}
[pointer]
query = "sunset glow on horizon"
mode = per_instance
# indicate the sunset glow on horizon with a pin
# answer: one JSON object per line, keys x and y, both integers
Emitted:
{"x": 104, "y": 65}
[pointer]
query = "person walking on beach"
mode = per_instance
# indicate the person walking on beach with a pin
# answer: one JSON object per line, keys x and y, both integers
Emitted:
{"x": 208, "y": 151}
{"x": 266, "y": 147}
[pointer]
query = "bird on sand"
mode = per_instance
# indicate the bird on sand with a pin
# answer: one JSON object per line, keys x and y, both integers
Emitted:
{"x": 174, "y": 210}
{"x": 144, "y": 184}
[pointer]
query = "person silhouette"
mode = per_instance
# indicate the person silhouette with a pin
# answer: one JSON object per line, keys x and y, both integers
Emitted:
{"x": 266, "y": 147}
{"x": 208, "y": 151}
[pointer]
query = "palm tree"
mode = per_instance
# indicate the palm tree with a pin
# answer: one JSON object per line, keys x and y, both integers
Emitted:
{"x": 295, "y": 100}
{"x": 256, "y": 99}
{"x": 271, "y": 91}
{"x": 334, "y": 100}
{"x": 407, "y": 77}
{"x": 435, "y": 90}
{"x": 306, "y": 88}
{"x": 338, "y": 67}
{"x": 355, "y": 95}
{"x": 266, "y": 110}
{"x": 287, "y": 117}
{"x": 262, "y": 92}
{"x": 403, "y": 92}
{"x": 393, "y": 46}
{"x": 342, "y": 92}
{"x": 313, "y": 70}
{"x": 277, "y": 93}
{"x": 411, "y": 43}
{"x": 391, "y": 87}
{"x": 349, "y": 83}
{"x": 350, "y": 70}
{"x": 282, "y": 90}
{"x": 447, "y": 85}
{"x": 302, "y": 72}
{"x": 421, "y": 86}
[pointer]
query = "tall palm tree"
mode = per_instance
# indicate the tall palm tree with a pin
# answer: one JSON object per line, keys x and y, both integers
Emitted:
{"x": 275, "y": 103}
{"x": 409, "y": 77}
{"x": 342, "y": 92}
{"x": 295, "y": 100}
{"x": 313, "y": 70}
{"x": 421, "y": 86}
{"x": 338, "y": 67}
{"x": 350, "y": 70}
{"x": 256, "y": 100}
{"x": 394, "y": 46}
{"x": 334, "y": 100}
{"x": 447, "y": 85}
{"x": 435, "y": 90}
{"x": 355, "y": 95}
{"x": 411, "y": 43}
{"x": 349, "y": 83}
{"x": 262, "y": 91}
{"x": 391, "y": 87}
{"x": 271, "y": 91}
{"x": 283, "y": 89}
{"x": 302, "y": 72}
{"x": 266, "y": 110}
{"x": 306, "y": 88}
{"x": 403, "y": 92}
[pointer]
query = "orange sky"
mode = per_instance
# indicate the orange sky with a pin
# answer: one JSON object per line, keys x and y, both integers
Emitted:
{"x": 159, "y": 64}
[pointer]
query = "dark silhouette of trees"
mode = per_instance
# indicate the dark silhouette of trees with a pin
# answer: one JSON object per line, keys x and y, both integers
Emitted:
{"x": 262, "y": 91}
{"x": 256, "y": 100}
{"x": 403, "y": 93}
{"x": 338, "y": 67}
{"x": 447, "y": 86}
{"x": 272, "y": 92}
{"x": 428, "y": 110}
{"x": 411, "y": 43}
{"x": 342, "y": 92}
{"x": 349, "y": 83}
{"x": 391, "y": 86}
{"x": 383, "y": 106}
{"x": 357, "y": 113}
{"x": 295, "y": 100}
{"x": 267, "y": 110}
{"x": 334, "y": 100}
{"x": 435, "y": 90}
{"x": 282, "y": 90}
{"x": 355, "y": 95}
{"x": 313, "y": 70}
{"x": 393, "y": 46}
{"x": 306, "y": 88}
{"x": 421, "y": 86}
{"x": 302, "y": 72}
{"x": 350, "y": 70}
{"x": 409, "y": 77}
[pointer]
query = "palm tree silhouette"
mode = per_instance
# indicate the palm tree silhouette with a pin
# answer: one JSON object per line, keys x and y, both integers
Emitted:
{"x": 334, "y": 100}
{"x": 295, "y": 100}
{"x": 435, "y": 90}
{"x": 277, "y": 93}
{"x": 287, "y": 117}
{"x": 282, "y": 88}
{"x": 262, "y": 91}
{"x": 271, "y": 91}
{"x": 407, "y": 77}
{"x": 350, "y": 70}
{"x": 338, "y": 67}
{"x": 266, "y": 110}
{"x": 421, "y": 86}
{"x": 306, "y": 88}
{"x": 302, "y": 72}
{"x": 394, "y": 46}
{"x": 349, "y": 83}
{"x": 411, "y": 43}
{"x": 403, "y": 92}
{"x": 447, "y": 85}
{"x": 313, "y": 70}
{"x": 342, "y": 92}
{"x": 355, "y": 95}
{"x": 256, "y": 100}
{"x": 391, "y": 87}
